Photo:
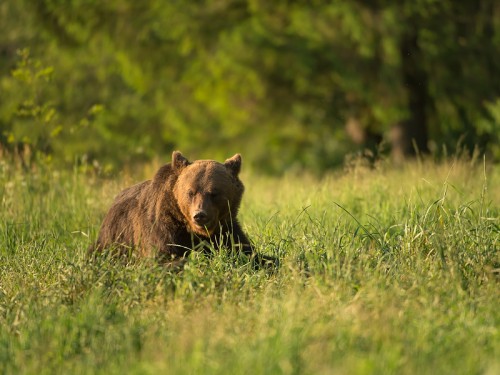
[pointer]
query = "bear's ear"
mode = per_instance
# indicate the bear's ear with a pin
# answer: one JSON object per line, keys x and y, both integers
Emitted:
{"x": 234, "y": 164}
{"x": 179, "y": 161}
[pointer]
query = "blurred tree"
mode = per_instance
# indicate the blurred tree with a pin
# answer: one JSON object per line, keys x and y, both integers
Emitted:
{"x": 280, "y": 81}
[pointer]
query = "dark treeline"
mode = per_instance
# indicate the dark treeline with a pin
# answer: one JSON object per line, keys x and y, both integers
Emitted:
{"x": 287, "y": 83}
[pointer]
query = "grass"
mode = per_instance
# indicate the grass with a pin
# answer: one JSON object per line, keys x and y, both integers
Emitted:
{"x": 383, "y": 271}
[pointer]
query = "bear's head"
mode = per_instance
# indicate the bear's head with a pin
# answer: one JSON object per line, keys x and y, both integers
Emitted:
{"x": 208, "y": 193}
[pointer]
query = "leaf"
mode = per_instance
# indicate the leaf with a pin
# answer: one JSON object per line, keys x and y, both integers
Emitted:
{"x": 56, "y": 131}
{"x": 96, "y": 109}
{"x": 51, "y": 113}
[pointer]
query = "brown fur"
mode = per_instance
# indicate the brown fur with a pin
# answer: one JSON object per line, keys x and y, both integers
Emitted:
{"x": 182, "y": 208}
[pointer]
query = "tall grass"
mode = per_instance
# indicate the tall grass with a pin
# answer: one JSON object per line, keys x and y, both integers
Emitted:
{"x": 386, "y": 270}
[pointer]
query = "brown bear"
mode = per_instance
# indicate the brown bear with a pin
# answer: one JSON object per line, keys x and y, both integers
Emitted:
{"x": 186, "y": 206}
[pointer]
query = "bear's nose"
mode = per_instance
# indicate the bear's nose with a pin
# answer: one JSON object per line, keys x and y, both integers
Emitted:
{"x": 200, "y": 217}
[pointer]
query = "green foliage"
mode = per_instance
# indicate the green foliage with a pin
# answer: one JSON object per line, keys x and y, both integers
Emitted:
{"x": 34, "y": 122}
{"x": 33, "y": 130}
{"x": 491, "y": 127}
{"x": 382, "y": 271}
{"x": 275, "y": 80}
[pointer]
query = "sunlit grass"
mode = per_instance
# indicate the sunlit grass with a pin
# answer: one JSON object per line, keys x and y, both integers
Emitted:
{"x": 385, "y": 270}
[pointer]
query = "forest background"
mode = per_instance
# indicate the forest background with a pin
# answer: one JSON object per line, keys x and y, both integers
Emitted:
{"x": 290, "y": 84}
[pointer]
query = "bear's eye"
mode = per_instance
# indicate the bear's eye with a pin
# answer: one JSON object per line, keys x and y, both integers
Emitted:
{"x": 191, "y": 194}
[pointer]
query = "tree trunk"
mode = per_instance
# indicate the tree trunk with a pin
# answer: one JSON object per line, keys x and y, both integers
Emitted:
{"x": 410, "y": 137}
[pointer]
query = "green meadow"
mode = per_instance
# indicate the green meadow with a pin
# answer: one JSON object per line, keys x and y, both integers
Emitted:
{"x": 384, "y": 270}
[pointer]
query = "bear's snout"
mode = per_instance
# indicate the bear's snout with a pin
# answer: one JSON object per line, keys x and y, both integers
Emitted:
{"x": 204, "y": 221}
{"x": 200, "y": 217}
